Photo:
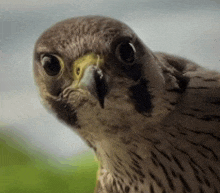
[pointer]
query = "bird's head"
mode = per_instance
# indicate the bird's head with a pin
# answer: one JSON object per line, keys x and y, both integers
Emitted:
{"x": 95, "y": 74}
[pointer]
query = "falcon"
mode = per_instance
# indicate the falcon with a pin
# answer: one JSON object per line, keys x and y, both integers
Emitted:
{"x": 152, "y": 119}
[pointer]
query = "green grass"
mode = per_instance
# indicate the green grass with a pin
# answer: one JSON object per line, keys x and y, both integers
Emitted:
{"x": 24, "y": 172}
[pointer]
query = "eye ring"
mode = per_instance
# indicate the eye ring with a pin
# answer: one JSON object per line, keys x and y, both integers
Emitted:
{"x": 52, "y": 64}
{"x": 126, "y": 52}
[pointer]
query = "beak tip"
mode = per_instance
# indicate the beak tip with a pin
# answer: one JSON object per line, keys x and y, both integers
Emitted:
{"x": 101, "y": 87}
{"x": 95, "y": 82}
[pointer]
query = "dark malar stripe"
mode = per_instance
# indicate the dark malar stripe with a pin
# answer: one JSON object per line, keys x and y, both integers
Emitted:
{"x": 141, "y": 96}
{"x": 64, "y": 111}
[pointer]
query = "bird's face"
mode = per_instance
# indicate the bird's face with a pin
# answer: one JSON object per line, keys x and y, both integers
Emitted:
{"x": 94, "y": 72}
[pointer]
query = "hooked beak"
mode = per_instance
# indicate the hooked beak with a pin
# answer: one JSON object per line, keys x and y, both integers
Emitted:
{"x": 91, "y": 77}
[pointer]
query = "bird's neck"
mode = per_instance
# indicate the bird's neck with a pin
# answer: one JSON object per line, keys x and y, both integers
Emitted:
{"x": 126, "y": 160}
{"x": 165, "y": 158}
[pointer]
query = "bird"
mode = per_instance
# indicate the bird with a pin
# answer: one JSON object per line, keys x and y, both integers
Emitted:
{"x": 152, "y": 118}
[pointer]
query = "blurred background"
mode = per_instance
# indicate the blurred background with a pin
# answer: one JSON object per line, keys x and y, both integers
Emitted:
{"x": 40, "y": 154}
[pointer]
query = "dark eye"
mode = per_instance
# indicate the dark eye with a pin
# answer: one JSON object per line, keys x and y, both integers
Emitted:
{"x": 51, "y": 64}
{"x": 125, "y": 51}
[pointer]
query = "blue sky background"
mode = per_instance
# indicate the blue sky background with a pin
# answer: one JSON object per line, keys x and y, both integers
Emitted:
{"x": 189, "y": 28}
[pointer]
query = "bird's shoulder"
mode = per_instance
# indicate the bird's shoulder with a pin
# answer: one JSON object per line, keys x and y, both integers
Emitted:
{"x": 195, "y": 76}
{"x": 199, "y": 102}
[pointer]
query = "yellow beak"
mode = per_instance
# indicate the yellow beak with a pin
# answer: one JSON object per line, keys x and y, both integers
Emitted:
{"x": 82, "y": 63}
{"x": 88, "y": 75}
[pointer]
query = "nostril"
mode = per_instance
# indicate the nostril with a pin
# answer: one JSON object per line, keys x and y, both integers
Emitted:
{"x": 78, "y": 71}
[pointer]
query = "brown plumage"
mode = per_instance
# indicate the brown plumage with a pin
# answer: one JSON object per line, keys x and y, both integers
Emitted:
{"x": 153, "y": 119}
